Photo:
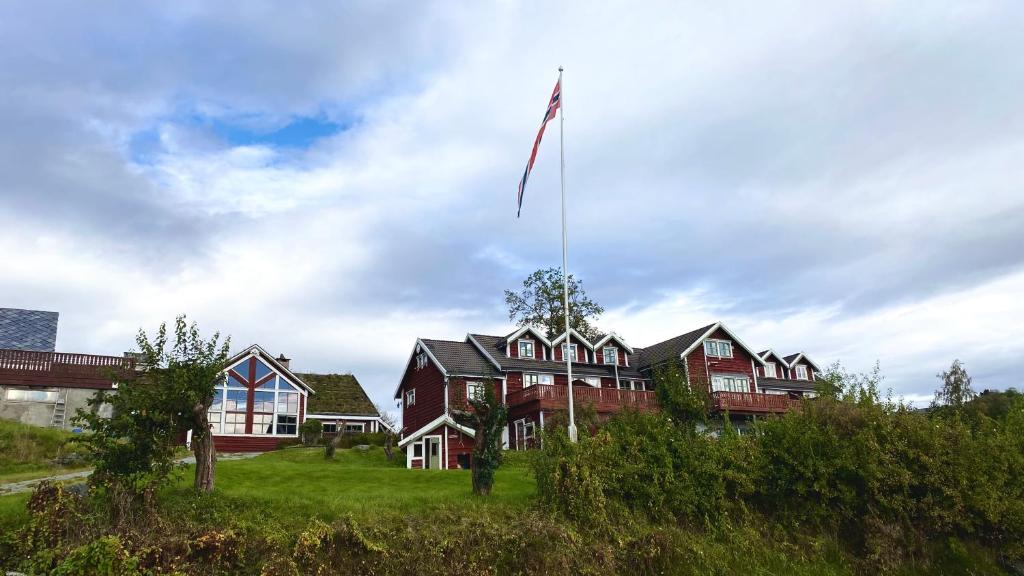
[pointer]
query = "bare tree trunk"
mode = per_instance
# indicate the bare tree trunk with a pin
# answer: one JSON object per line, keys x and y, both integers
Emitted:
{"x": 204, "y": 451}
{"x": 388, "y": 440}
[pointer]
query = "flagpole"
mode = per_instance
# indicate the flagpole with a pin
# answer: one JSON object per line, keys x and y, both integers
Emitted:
{"x": 565, "y": 260}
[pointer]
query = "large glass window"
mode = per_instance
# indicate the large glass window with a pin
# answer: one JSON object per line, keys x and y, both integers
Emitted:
{"x": 263, "y": 401}
{"x": 234, "y": 423}
{"x": 288, "y": 402}
{"x": 261, "y": 370}
{"x": 274, "y": 397}
{"x": 215, "y": 425}
{"x": 237, "y": 400}
{"x": 526, "y": 349}
{"x": 26, "y": 395}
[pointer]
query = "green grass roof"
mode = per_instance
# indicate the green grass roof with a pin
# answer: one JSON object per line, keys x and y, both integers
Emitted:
{"x": 337, "y": 394}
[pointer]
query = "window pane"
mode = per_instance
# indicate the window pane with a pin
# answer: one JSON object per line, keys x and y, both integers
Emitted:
{"x": 546, "y": 379}
{"x": 261, "y": 369}
{"x": 234, "y": 423}
{"x": 214, "y": 418}
{"x": 237, "y": 400}
{"x": 218, "y": 401}
{"x": 286, "y": 425}
{"x": 262, "y": 423}
{"x": 330, "y": 427}
{"x": 263, "y": 401}
{"x": 611, "y": 355}
{"x": 268, "y": 385}
{"x": 710, "y": 349}
{"x": 288, "y": 402}
{"x": 235, "y": 382}
{"x": 283, "y": 384}
{"x": 725, "y": 348}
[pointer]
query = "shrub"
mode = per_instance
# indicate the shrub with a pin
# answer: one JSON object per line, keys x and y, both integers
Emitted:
{"x": 310, "y": 432}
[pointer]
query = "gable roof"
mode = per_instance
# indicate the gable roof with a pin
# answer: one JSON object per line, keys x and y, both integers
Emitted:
{"x": 769, "y": 352}
{"x": 792, "y": 359}
{"x": 495, "y": 347}
{"x": 269, "y": 359}
{"x": 578, "y": 336}
{"x": 429, "y": 426}
{"x": 337, "y": 394}
{"x": 672, "y": 348}
{"x": 524, "y": 330}
{"x": 459, "y": 357}
{"x": 31, "y": 330}
{"x": 784, "y": 384}
{"x": 612, "y": 336}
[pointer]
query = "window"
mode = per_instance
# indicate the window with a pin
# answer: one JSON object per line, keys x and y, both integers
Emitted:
{"x": 572, "y": 352}
{"x": 529, "y": 430}
{"x": 354, "y": 428}
{"x": 769, "y": 370}
{"x": 530, "y": 380}
{"x": 263, "y": 401}
{"x": 288, "y": 402}
{"x": 624, "y": 384}
{"x": 217, "y": 404}
{"x": 410, "y": 397}
{"x": 421, "y": 360}
{"x": 475, "y": 390}
{"x": 639, "y": 385}
{"x": 718, "y": 348}
{"x": 330, "y": 427}
{"x": 26, "y": 395}
{"x": 417, "y": 450}
{"x": 237, "y": 400}
{"x": 215, "y": 425}
{"x": 286, "y": 424}
{"x": 730, "y": 384}
{"x": 610, "y": 354}
{"x": 593, "y": 381}
{"x": 801, "y": 372}
{"x": 262, "y": 423}
{"x": 547, "y": 379}
{"x": 234, "y": 423}
{"x": 526, "y": 349}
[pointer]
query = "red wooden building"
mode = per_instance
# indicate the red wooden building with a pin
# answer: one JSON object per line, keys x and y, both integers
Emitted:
{"x": 528, "y": 373}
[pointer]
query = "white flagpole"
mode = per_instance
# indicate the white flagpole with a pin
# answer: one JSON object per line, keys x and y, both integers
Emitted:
{"x": 565, "y": 260}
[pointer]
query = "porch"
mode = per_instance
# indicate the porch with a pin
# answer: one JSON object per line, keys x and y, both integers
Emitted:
{"x": 752, "y": 403}
{"x": 556, "y": 397}
{"x": 25, "y": 368}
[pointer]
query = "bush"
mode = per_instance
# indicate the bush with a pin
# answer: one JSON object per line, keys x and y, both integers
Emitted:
{"x": 310, "y": 432}
{"x": 363, "y": 438}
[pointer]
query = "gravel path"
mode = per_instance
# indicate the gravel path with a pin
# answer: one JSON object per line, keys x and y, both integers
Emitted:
{"x": 29, "y": 485}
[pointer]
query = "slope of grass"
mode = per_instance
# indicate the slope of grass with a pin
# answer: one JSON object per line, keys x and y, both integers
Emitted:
{"x": 28, "y": 451}
{"x": 300, "y": 483}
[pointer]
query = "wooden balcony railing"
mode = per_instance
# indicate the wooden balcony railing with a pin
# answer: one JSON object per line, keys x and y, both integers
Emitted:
{"x": 604, "y": 399}
{"x": 752, "y": 402}
{"x": 21, "y": 367}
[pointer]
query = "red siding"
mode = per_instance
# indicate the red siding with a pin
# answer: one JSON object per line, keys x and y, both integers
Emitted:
{"x": 599, "y": 353}
{"x": 458, "y": 443}
{"x": 582, "y": 352}
{"x": 810, "y": 370}
{"x": 738, "y": 364}
{"x": 538, "y": 347}
{"x": 513, "y": 381}
{"x": 429, "y": 385}
{"x": 247, "y": 443}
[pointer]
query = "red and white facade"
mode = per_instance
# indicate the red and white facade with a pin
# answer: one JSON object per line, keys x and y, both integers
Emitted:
{"x": 528, "y": 373}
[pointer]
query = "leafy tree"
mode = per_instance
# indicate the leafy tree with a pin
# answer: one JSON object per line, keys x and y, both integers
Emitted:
{"x": 956, "y": 388}
{"x": 685, "y": 404}
{"x": 487, "y": 417}
{"x": 539, "y": 304}
{"x": 310, "y": 432}
{"x": 169, "y": 393}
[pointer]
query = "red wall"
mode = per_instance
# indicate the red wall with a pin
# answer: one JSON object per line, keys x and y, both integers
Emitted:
{"x": 429, "y": 384}
{"x": 738, "y": 364}
{"x": 246, "y": 443}
{"x": 513, "y": 381}
{"x": 600, "y": 354}
{"x": 582, "y": 352}
{"x": 538, "y": 347}
{"x": 810, "y": 370}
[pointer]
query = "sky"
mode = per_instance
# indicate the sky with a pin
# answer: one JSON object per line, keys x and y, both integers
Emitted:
{"x": 334, "y": 180}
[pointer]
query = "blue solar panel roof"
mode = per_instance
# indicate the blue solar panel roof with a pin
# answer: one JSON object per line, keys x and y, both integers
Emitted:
{"x": 28, "y": 329}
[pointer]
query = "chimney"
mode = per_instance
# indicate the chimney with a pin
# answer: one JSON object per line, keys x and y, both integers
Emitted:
{"x": 284, "y": 361}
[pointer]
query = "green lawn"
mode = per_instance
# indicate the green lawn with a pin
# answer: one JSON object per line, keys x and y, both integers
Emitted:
{"x": 28, "y": 451}
{"x": 300, "y": 483}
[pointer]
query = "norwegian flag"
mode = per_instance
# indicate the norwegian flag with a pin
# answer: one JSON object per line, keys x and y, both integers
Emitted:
{"x": 553, "y": 106}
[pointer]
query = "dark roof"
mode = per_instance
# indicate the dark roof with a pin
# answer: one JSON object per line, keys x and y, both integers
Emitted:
{"x": 789, "y": 359}
{"x": 337, "y": 394}
{"x": 786, "y": 384}
{"x": 763, "y": 352}
{"x": 671, "y": 349}
{"x": 495, "y": 346}
{"x": 33, "y": 330}
{"x": 459, "y": 357}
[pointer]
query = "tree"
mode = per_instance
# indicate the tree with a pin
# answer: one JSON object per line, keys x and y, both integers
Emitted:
{"x": 487, "y": 417}
{"x": 956, "y": 387}
{"x": 169, "y": 393}
{"x": 685, "y": 404}
{"x": 539, "y": 304}
{"x": 390, "y": 425}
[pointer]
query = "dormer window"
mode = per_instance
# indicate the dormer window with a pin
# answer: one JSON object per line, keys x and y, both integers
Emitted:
{"x": 718, "y": 348}
{"x": 611, "y": 355}
{"x": 526, "y": 349}
{"x": 571, "y": 351}
{"x": 410, "y": 398}
{"x": 801, "y": 372}
{"x": 769, "y": 370}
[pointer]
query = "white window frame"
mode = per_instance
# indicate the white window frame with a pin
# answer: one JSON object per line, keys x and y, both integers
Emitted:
{"x": 769, "y": 370}
{"x": 615, "y": 355}
{"x": 474, "y": 390}
{"x": 730, "y": 383}
{"x": 530, "y": 343}
{"x": 410, "y": 397}
{"x": 279, "y": 386}
{"x": 574, "y": 352}
{"x": 31, "y": 395}
{"x": 713, "y": 348}
{"x": 421, "y": 360}
{"x": 801, "y": 372}
{"x": 362, "y": 427}
{"x": 593, "y": 381}
{"x": 527, "y": 376}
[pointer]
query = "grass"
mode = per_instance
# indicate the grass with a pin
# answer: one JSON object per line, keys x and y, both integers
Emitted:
{"x": 300, "y": 483}
{"x": 28, "y": 452}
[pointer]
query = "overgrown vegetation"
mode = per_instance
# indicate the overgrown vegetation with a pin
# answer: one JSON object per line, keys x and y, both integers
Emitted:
{"x": 890, "y": 483}
{"x": 31, "y": 451}
{"x": 488, "y": 417}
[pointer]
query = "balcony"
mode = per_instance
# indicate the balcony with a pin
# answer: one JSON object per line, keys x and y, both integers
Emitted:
{"x": 752, "y": 403}
{"x": 605, "y": 400}
{"x": 25, "y": 368}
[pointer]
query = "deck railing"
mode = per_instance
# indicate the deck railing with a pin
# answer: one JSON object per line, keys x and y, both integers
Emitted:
{"x": 752, "y": 402}
{"x": 585, "y": 394}
{"x": 63, "y": 364}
